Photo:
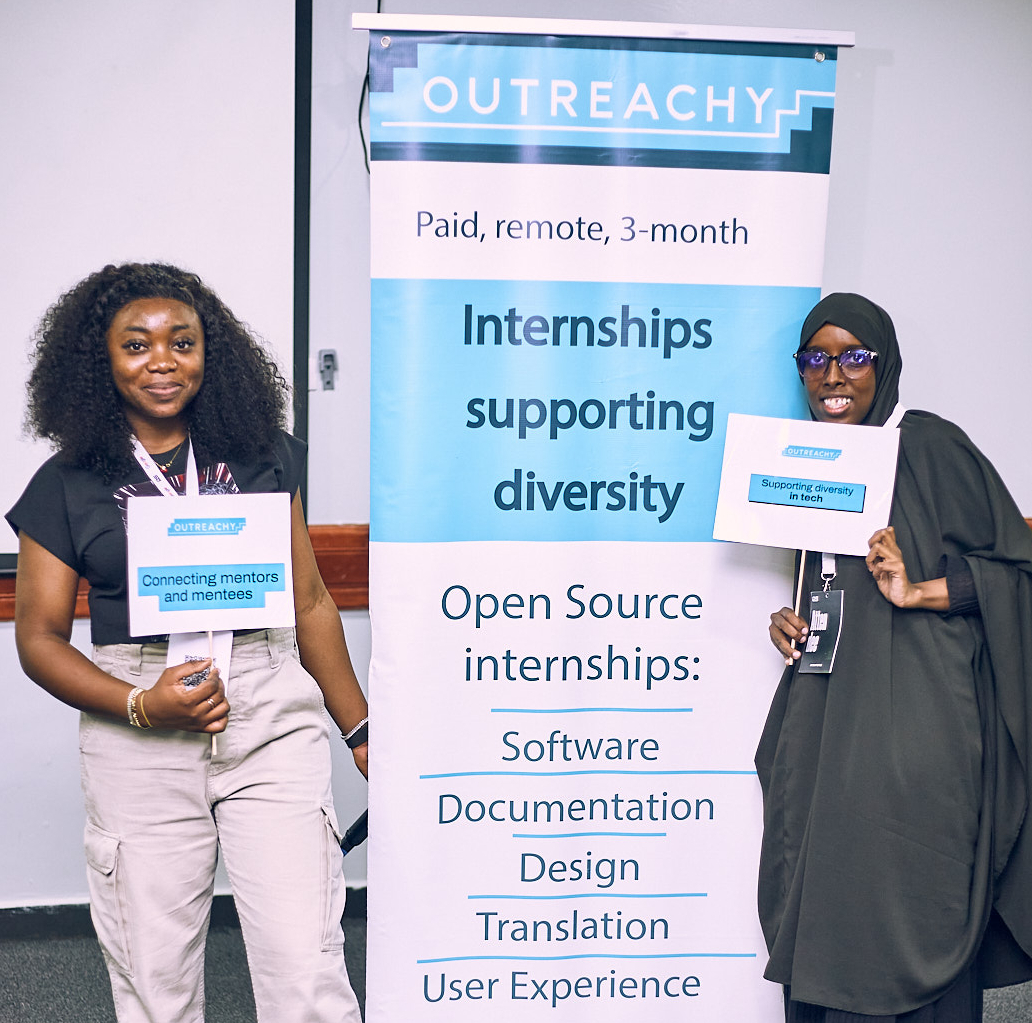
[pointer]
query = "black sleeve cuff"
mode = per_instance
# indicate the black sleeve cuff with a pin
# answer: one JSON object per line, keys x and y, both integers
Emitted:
{"x": 960, "y": 584}
{"x": 358, "y": 735}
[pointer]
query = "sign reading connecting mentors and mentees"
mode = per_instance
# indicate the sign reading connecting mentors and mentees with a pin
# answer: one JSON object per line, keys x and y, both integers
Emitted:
{"x": 590, "y": 244}
{"x": 215, "y": 562}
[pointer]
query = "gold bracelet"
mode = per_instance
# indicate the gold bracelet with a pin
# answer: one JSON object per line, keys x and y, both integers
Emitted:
{"x": 141, "y": 712}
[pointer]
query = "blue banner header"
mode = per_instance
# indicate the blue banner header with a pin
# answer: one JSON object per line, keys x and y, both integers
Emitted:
{"x": 680, "y": 102}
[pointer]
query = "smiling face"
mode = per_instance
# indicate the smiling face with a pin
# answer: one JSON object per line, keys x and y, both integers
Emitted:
{"x": 156, "y": 348}
{"x": 834, "y": 398}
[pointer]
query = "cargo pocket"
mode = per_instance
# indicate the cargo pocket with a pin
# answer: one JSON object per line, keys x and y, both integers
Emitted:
{"x": 107, "y": 898}
{"x": 333, "y": 889}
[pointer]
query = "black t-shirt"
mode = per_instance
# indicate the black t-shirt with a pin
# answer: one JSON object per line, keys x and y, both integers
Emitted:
{"x": 81, "y": 520}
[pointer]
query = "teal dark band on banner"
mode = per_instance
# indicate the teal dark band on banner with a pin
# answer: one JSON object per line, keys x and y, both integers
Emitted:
{"x": 802, "y": 493}
{"x": 404, "y": 48}
{"x": 809, "y": 153}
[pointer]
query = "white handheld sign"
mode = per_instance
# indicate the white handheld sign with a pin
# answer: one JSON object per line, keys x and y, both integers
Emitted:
{"x": 804, "y": 485}
{"x": 201, "y": 564}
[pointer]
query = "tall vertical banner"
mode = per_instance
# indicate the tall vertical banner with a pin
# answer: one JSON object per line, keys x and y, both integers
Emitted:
{"x": 590, "y": 244}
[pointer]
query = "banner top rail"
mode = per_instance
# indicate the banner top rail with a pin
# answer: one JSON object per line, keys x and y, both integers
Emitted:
{"x": 576, "y": 27}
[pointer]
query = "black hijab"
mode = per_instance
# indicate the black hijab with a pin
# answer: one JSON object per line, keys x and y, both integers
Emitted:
{"x": 872, "y": 327}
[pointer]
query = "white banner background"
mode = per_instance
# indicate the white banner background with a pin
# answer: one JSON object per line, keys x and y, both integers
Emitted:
{"x": 510, "y": 641}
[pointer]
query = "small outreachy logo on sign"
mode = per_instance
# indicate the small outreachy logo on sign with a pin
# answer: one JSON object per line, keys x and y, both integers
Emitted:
{"x": 820, "y": 454}
{"x": 206, "y": 527}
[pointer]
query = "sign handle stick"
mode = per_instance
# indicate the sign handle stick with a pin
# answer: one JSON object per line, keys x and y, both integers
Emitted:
{"x": 211, "y": 656}
{"x": 797, "y": 605}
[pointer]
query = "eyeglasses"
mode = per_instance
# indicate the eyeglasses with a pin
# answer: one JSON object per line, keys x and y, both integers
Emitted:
{"x": 854, "y": 362}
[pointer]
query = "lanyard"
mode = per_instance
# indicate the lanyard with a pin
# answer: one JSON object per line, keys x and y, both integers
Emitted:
{"x": 828, "y": 571}
{"x": 158, "y": 478}
{"x": 180, "y": 644}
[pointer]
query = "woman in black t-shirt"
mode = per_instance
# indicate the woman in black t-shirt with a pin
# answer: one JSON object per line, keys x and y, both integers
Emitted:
{"x": 142, "y": 373}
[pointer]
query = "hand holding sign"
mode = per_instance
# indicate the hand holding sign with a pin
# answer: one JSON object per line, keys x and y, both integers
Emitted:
{"x": 787, "y": 630}
{"x": 169, "y": 703}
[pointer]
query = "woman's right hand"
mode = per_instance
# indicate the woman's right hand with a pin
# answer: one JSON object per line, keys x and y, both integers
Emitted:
{"x": 786, "y": 626}
{"x": 200, "y": 708}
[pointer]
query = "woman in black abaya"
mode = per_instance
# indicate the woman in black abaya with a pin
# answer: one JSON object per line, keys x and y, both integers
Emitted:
{"x": 895, "y": 877}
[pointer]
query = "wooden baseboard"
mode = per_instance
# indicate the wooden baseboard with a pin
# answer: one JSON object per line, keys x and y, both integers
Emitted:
{"x": 341, "y": 551}
{"x": 73, "y": 921}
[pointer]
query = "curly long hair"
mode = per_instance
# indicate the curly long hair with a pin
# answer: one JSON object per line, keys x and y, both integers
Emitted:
{"x": 73, "y": 401}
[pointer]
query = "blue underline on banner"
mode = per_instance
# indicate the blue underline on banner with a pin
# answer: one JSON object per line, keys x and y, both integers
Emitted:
{"x": 595, "y": 834}
{"x": 590, "y": 955}
{"x": 592, "y": 710}
{"x": 596, "y": 895}
{"x": 561, "y": 774}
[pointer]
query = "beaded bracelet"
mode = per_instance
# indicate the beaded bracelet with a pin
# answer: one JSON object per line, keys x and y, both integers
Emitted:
{"x": 130, "y": 707}
{"x": 358, "y": 735}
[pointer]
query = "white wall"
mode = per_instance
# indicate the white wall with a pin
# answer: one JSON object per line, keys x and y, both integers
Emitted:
{"x": 161, "y": 130}
{"x": 164, "y": 130}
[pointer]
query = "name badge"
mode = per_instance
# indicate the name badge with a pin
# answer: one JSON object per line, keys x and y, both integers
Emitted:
{"x": 822, "y": 641}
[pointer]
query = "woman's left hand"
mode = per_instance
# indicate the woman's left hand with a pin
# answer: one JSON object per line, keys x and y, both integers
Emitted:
{"x": 361, "y": 755}
{"x": 885, "y": 562}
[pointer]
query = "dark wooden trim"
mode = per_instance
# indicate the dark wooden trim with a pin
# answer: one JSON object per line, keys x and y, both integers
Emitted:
{"x": 343, "y": 556}
{"x": 341, "y": 551}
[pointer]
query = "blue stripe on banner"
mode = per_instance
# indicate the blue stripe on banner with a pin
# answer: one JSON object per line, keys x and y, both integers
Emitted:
{"x": 587, "y": 955}
{"x": 598, "y": 95}
{"x": 517, "y": 410}
{"x": 607, "y": 894}
{"x": 591, "y": 710}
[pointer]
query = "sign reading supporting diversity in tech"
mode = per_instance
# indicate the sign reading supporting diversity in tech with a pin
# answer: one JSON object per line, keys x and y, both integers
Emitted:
{"x": 213, "y": 562}
{"x": 804, "y": 485}
{"x": 588, "y": 248}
